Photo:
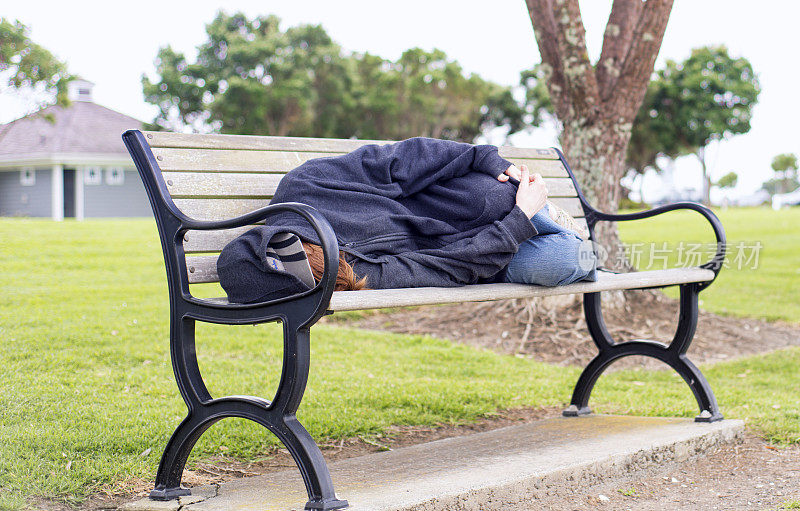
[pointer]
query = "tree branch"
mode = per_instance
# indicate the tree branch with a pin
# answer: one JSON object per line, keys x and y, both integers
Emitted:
{"x": 624, "y": 16}
{"x": 639, "y": 62}
{"x": 544, "y": 27}
{"x": 579, "y": 76}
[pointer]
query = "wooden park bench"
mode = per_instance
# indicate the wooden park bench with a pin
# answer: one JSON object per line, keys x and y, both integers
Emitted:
{"x": 207, "y": 189}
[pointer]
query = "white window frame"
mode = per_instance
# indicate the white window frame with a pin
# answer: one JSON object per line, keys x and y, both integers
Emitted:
{"x": 92, "y": 175}
{"x": 27, "y": 176}
{"x": 115, "y": 176}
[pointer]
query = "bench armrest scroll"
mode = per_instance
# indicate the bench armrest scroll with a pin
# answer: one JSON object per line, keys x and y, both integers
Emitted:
{"x": 714, "y": 264}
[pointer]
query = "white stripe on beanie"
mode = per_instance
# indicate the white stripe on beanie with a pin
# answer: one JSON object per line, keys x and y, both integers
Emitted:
{"x": 285, "y": 253}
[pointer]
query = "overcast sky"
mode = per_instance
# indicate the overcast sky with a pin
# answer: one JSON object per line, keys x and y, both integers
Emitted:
{"x": 113, "y": 43}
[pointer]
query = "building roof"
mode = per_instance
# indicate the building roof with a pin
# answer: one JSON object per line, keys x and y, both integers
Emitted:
{"x": 81, "y": 128}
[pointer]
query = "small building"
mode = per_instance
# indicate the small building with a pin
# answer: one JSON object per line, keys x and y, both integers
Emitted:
{"x": 70, "y": 162}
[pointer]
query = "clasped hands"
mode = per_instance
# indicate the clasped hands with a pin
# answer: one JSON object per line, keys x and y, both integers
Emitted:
{"x": 531, "y": 193}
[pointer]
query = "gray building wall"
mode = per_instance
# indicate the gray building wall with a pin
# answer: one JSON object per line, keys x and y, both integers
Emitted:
{"x": 127, "y": 199}
{"x": 19, "y": 200}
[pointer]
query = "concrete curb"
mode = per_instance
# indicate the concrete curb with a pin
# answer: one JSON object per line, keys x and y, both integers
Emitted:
{"x": 495, "y": 470}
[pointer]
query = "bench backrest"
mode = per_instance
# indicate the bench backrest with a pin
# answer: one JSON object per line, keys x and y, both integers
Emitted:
{"x": 215, "y": 177}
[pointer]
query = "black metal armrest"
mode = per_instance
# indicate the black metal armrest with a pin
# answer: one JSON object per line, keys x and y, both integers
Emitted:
{"x": 714, "y": 264}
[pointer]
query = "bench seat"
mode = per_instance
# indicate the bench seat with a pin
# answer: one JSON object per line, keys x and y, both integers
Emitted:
{"x": 606, "y": 281}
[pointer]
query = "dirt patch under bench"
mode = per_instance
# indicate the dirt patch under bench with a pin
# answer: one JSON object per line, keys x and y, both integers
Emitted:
{"x": 554, "y": 333}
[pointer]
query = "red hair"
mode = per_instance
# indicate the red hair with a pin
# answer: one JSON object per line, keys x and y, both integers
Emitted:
{"x": 346, "y": 279}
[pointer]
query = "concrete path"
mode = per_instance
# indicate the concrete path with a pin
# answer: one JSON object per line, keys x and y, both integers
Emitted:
{"x": 503, "y": 469}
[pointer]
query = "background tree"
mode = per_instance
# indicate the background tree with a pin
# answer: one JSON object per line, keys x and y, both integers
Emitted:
{"x": 252, "y": 78}
{"x": 25, "y": 64}
{"x": 374, "y": 90}
{"x": 597, "y": 104}
{"x": 785, "y": 165}
{"x": 538, "y": 106}
{"x": 785, "y": 177}
{"x": 729, "y": 180}
{"x": 707, "y": 97}
{"x": 435, "y": 99}
{"x": 249, "y": 77}
{"x": 654, "y": 135}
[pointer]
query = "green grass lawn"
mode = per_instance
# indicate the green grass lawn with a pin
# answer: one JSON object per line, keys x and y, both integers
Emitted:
{"x": 766, "y": 288}
{"x": 88, "y": 398}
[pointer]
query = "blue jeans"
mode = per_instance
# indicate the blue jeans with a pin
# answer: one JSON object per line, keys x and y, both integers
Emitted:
{"x": 552, "y": 257}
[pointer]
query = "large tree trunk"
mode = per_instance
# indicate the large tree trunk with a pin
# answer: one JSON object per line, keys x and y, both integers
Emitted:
{"x": 597, "y": 155}
{"x": 597, "y": 104}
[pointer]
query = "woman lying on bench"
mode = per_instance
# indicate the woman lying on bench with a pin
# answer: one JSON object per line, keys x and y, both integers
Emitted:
{"x": 421, "y": 212}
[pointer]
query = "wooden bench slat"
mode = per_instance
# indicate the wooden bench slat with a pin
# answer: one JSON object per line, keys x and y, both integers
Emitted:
{"x": 202, "y": 269}
{"x": 211, "y": 241}
{"x": 215, "y": 241}
{"x": 219, "y": 184}
{"x": 253, "y": 142}
{"x": 230, "y": 184}
{"x": 383, "y": 298}
{"x": 225, "y": 160}
{"x": 265, "y": 143}
{"x": 218, "y": 209}
{"x": 510, "y": 153}
{"x": 222, "y": 208}
{"x": 547, "y": 168}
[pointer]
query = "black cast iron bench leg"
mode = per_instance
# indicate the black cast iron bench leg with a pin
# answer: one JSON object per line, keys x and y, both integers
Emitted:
{"x": 673, "y": 355}
{"x": 277, "y": 416}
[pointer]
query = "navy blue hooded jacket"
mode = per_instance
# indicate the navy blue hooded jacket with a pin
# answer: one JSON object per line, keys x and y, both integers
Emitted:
{"x": 421, "y": 212}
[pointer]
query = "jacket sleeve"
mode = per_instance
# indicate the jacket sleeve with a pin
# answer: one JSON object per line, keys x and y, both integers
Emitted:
{"x": 417, "y": 163}
{"x": 463, "y": 262}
